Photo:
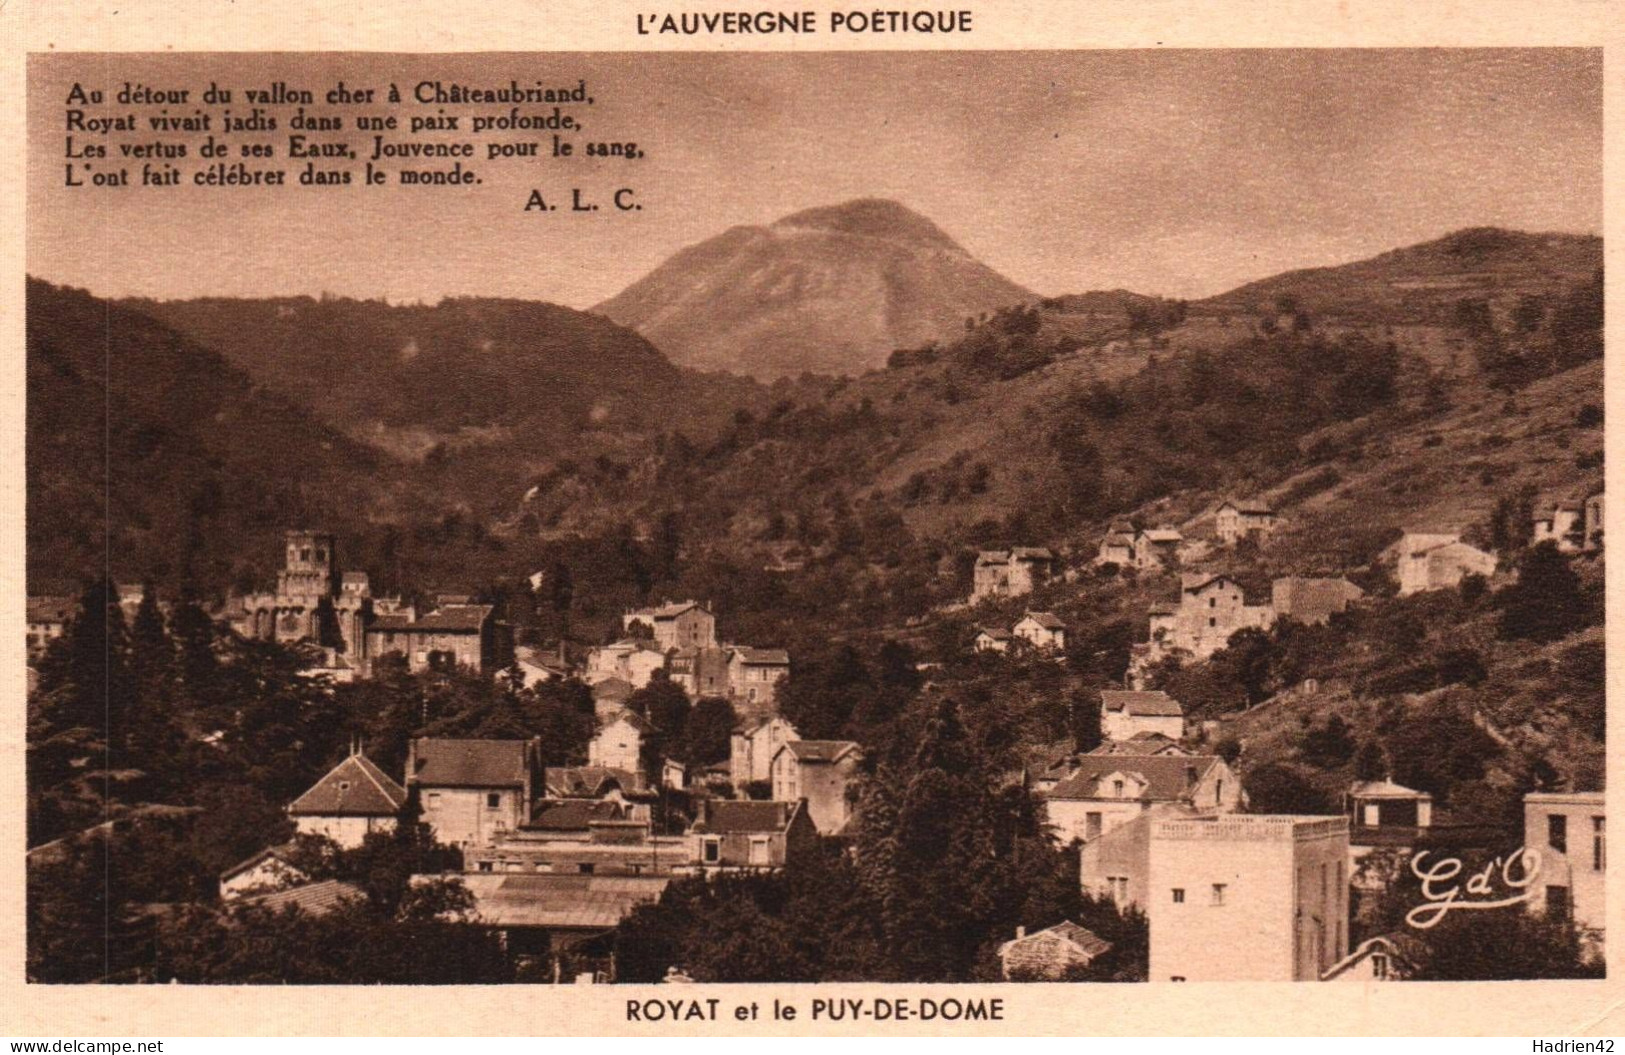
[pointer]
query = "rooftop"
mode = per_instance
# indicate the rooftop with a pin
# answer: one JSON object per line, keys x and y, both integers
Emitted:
{"x": 1153, "y": 704}
{"x": 1167, "y": 777}
{"x": 356, "y": 787}
{"x": 566, "y": 902}
{"x": 821, "y": 750}
{"x": 470, "y": 763}
{"x": 724, "y": 816}
{"x": 1250, "y": 827}
{"x": 316, "y": 899}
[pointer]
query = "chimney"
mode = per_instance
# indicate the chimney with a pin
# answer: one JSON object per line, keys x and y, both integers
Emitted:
{"x": 1021, "y": 932}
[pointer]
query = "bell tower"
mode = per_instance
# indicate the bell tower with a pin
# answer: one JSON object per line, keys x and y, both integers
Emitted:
{"x": 308, "y": 565}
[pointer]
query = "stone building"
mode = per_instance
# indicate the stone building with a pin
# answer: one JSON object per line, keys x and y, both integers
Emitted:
{"x": 309, "y": 591}
{"x": 1010, "y": 573}
{"x": 819, "y": 772}
{"x": 1102, "y": 792}
{"x": 354, "y": 799}
{"x": 752, "y": 746}
{"x": 1125, "y": 714}
{"x": 1211, "y": 609}
{"x": 1436, "y": 562}
{"x": 679, "y": 625}
{"x": 1234, "y": 521}
{"x": 473, "y": 792}
{"x": 1247, "y": 898}
{"x": 1568, "y": 831}
{"x": 1311, "y": 601}
{"x": 459, "y": 635}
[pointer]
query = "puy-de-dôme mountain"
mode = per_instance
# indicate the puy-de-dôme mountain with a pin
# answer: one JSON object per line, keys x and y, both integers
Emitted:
{"x": 829, "y": 290}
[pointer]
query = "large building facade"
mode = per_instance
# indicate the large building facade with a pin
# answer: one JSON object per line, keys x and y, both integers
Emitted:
{"x": 1247, "y": 898}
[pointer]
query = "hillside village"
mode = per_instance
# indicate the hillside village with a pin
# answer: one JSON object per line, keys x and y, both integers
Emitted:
{"x": 932, "y": 674}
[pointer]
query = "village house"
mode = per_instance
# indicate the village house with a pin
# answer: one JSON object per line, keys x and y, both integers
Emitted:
{"x": 1247, "y": 898}
{"x": 1010, "y": 573}
{"x": 543, "y": 915}
{"x": 270, "y": 869}
{"x": 1563, "y": 524}
{"x": 618, "y": 744}
{"x": 1157, "y": 547}
{"x": 311, "y": 899}
{"x": 730, "y": 834}
{"x": 1567, "y": 829}
{"x": 1042, "y": 630}
{"x": 1050, "y": 954}
{"x": 700, "y": 672}
{"x": 680, "y": 625}
{"x": 1432, "y": 561}
{"x": 1234, "y": 521}
{"x": 450, "y": 637}
{"x": 992, "y": 639}
{"x": 609, "y": 697}
{"x": 47, "y": 620}
{"x": 1118, "y": 864}
{"x": 1211, "y": 609}
{"x": 354, "y": 799}
{"x": 1125, "y": 714}
{"x": 634, "y": 662}
{"x": 752, "y": 746}
{"x": 1117, "y": 547}
{"x": 1385, "y": 958}
{"x": 1104, "y": 791}
{"x": 1312, "y": 601}
{"x": 753, "y": 676}
{"x": 820, "y": 772}
{"x": 537, "y": 667}
{"x": 1593, "y": 522}
{"x": 473, "y": 791}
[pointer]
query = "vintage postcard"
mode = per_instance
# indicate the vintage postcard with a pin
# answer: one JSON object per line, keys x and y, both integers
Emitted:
{"x": 694, "y": 520}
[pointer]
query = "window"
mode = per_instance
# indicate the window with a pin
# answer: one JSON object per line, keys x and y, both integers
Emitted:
{"x": 1379, "y": 966}
{"x": 344, "y": 785}
{"x": 493, "y": 800}
{"x": 1218, "y": 791}
{"x": 1218, "y": 893}
{"x": 1557, "y": 832}
{"x": 1599, "y": 848}
{"x": 585, "y": 868}
{"x": 1091, "y": 826}
{"x": 1117, "y": 788}
{"x": 485, "y": 866}
{"x": 1176, "y": 978}
{"x": 1212, "y": 622}
{"x": 758, "y": 850}
{"x": 434, "y": 801}
{"x": 712, "y": 852}
{"x": 1213, "y": 602}
{"x": 1179, "y": 895}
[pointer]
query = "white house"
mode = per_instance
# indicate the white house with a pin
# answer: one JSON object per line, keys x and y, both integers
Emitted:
{"x": 1105, "y": 791}
{"x": 618, "y": 743}
{"x": 1125, "y": 714}
{"x": 1234, "y": 521}
{"x": 473, "y": 792}
{"x": 1436, "y": 562}
{"x": 752, "y": 747}
{"x": 352, "y": 800}
{"x": 1042, "y": 630}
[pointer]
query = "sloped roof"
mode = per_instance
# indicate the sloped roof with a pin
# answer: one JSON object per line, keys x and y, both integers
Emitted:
{"x": 1118, "y": 539}
{"x": 1250, "y": 507}
{"x": 1155, "y": 704}
{"x": 765, "y": 657}
{"x": 282, "y": 852}
{"x": 316, "y": 899}
{"x": 1191, "y": 582}
{"x": 728, "y": 816}
{"x": 1047, "y": 620}
{"x": 448, "y": 763}
{"x": 1385, "y": 789}
{"x": 456, "y": 618}
{"x": 585, "y": 781}
{"x": 568, "y": 902}
{"x": 612, "y": 689}
{"x": 390, "y": 622}
{"x": 1164, "y": 534}
{"x": 997, "y": 633}
{"x": 1031, "y": 553}
{"x": 572, "y": 815}
{"x": 355, "y": 787}
{"x": 1082, "y": 937}
{"x": 820, "y": 750}
{"x": 1167, "y": 776}
{"x": 632, "y": 718}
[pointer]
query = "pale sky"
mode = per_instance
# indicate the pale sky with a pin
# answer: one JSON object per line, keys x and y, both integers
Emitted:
{"x": 1182, "y": 173}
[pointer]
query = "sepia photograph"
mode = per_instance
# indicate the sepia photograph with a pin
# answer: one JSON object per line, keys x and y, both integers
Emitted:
{"x": 591, "y": 518}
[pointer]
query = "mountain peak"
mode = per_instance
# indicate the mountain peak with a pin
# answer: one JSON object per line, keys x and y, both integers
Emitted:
{"x": 870, "y": 218}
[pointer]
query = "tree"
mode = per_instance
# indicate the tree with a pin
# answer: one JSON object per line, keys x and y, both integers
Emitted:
{"x": 1278, "y": 788}
{"x": 1369, "y": 763}
{"x": 1546, "y": 602}
{"x": 1086, "y": 730}
{"x": 709, "y": 732}
{"x": 1330, "y": 745}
